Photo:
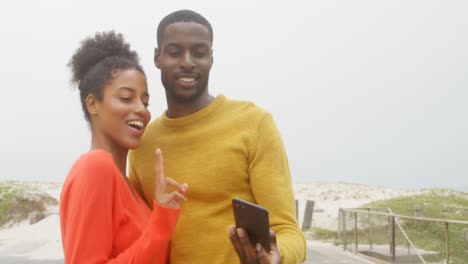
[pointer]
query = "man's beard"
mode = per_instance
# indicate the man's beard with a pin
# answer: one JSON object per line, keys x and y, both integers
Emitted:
{"x": 183, "y": 99}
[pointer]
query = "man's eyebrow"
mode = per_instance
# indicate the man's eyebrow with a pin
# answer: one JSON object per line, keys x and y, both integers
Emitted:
{"x": 169, "y": 45}
{"x": 196, "y": 45}
{"x": 201, "y": 45}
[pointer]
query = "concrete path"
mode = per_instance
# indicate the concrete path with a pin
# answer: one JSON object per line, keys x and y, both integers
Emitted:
{"x": 317, "y": 253}
{"x": 18, "y": 260}
{"x": 321, "y": 253}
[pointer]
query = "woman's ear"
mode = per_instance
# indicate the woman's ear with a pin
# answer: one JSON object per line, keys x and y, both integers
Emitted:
{"x": 92, "y": 104}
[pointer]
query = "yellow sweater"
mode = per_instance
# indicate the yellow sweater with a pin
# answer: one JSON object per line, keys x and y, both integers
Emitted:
{"x": 228, "y": 149}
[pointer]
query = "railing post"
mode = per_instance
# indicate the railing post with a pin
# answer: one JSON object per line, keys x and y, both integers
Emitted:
{"x": 355, "y": 234}
{"x": 309, "y": 209}
{"x": 409, "y": 252}
{"x": 447, "y": 248}
{"x": 392, "y": 239}
{"x": 339, "y": 229}
{"x": 345, "y": 235}
{"x": 369, "y": 234}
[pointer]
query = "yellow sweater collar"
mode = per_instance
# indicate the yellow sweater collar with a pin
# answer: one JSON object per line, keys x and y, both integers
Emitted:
{"x": 186, "y": 120}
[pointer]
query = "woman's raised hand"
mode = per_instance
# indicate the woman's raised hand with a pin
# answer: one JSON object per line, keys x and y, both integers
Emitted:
{"x": 161, "y": 194}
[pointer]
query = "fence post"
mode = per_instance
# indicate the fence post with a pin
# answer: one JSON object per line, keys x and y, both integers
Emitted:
{"x": 392, "y": 239}
{"x": 355, "y": 234}
{"x": 345, "y": 232}
{"x": 369, "y": 229}
{"x": 309, "y": 209}
{"x": 339, "y": 228}
{"x": 447, "y": 248}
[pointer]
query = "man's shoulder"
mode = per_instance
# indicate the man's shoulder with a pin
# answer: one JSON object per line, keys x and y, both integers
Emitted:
{"x": 245, "y": 107}
{"x": 154, "y": 124}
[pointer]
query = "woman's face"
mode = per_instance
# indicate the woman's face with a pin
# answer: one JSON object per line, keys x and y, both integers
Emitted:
{"x": 121, "y": 116}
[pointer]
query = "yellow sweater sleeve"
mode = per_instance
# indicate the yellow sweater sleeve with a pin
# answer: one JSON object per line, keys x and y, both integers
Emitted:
{"x": 271, "y": 186}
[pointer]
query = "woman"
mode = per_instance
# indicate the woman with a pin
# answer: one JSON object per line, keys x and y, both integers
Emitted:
{"x": 103, "y": 220}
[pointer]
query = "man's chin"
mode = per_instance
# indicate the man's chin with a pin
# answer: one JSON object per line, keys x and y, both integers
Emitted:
{"x": 187, "y": 96}
{"x": 183, "y": 98}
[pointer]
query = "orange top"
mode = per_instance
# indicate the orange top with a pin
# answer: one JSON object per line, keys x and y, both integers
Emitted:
{"x": 102, "y": 221}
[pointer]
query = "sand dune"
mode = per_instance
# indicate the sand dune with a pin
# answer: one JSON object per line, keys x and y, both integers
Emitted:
{"x": 330, "y": 196}
{"x": 42, "y": 239}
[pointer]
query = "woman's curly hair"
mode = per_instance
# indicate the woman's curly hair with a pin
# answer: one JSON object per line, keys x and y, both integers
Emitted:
{"x": 96, "y": 62}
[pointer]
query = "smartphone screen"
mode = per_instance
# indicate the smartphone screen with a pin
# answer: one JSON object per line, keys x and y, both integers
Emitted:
{"x": 253, "y": 219}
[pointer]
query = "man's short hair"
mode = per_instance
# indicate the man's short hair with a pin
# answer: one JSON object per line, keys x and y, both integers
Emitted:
{"x": 184, "y": 15}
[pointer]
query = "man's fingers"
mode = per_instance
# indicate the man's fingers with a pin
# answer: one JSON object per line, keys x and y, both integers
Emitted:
{"x": 246, "y": 245}
{"x": 236, "y": 243}
{"x": 262, "y": 255}
{"x": 273, "y": 239}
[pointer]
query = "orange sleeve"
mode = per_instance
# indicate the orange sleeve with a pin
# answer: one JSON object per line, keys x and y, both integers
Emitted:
{"x": 89, "y": 224}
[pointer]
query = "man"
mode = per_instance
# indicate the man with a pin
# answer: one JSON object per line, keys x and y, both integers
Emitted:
{"x": 222, "y": 148}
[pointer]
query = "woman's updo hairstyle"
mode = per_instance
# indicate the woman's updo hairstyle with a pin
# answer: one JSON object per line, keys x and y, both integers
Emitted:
{"x": 96, "y": 62}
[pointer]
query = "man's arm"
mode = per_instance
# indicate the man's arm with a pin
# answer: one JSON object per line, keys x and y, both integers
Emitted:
{"x": 272, "y": 188}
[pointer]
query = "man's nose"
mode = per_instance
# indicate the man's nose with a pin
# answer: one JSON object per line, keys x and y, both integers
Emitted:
{"x": 187, "y": 61}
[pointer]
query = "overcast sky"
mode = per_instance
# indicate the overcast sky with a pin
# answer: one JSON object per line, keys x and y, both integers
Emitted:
{"x": 372, "y": 92}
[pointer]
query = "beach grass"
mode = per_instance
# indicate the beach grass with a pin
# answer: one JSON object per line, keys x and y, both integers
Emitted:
{"x": 427, "y": 236}
{"x": 431, "y": 236}
{"x": 19, "y": 199}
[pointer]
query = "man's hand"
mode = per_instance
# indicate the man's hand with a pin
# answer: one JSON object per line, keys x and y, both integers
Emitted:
{"x": 247, "y": 253}
{"x": 174, "y": 198}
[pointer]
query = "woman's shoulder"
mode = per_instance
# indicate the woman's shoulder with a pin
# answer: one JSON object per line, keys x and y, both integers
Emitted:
{"x": 95, "y": 165}
{"x": 96, "y": 156}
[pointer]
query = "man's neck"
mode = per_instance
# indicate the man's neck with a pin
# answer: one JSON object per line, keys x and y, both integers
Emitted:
{"x": 178, "y": 110}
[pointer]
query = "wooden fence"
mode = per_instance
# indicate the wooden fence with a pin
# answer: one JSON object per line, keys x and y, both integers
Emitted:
{"x": 308, "y": 213}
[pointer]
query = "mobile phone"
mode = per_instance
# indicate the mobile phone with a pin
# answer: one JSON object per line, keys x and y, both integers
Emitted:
{"x": 253, "y": 219}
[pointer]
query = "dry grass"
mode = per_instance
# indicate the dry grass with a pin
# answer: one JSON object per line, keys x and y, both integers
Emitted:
{"x": 19, "y": 199}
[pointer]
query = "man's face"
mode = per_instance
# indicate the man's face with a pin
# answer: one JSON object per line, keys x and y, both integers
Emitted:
{"x": 185, "y": 58}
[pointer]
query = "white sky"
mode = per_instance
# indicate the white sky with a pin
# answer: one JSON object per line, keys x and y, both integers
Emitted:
{"x": 368, "y": 92}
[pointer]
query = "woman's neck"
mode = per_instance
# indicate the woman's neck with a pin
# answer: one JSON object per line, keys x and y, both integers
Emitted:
{"x": 118, "y": 153}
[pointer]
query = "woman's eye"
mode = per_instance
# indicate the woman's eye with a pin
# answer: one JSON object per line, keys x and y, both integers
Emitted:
{"x": 125, "y": 99}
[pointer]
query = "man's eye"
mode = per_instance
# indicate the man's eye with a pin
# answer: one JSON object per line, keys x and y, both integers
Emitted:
{"x": 173, "y": 53}
{"x": 199, "y": 54}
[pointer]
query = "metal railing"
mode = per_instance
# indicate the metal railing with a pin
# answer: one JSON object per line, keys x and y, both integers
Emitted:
{"x": 393, "y": 222}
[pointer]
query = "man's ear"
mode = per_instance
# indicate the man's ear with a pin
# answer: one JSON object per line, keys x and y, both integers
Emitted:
{"x": 212, "y": 57}
{"x": 156, "y": 57}
{"x": 91, "y": 104}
